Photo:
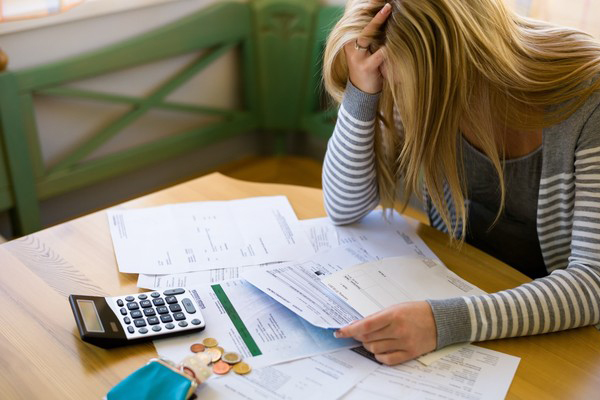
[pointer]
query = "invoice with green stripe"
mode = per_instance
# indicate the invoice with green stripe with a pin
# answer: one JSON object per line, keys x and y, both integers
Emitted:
{"x": 245, "y": 320}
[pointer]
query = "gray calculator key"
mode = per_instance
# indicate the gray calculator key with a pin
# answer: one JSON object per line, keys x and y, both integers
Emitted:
{"x": 156, "y": 328}
{"x": 136, "y": 314}
{"x": 166, "y": 318}
{"x": 153, "y": 320}
{"x": 127, "y": 320}
{"x": 162, "y": 310}
{"x": 130, "y": 329}
{"x": 123, "y": 311}
{"x": 195, "y": 321}
{"x": 149, "y": 312}
{"x": 155, "y": 294}
{"x": 173, "y": 292}
{"x": 158, "y": 302}
{"x": 171, "y": 299}
{"x": 183, "y": 324}
{"x": 143, "y": 330}
{"x": 169, "y": 326}
{"x": 178, "y": 316}
{"x": 175, "y": 307}
{"x": 129, "y": 298}
{"x": 189, "y": 307}
{"x": 145, "y": 304}
{"x": 142, "y": 296}
{"x": 120, "y": 303}
{"x": 133, "y": 306}
{"x": 139, "y": 323}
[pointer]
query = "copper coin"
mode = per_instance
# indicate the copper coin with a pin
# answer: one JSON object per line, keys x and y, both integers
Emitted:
{"x": 210, "y": 342}
{"x": 221, "y": 368}
{"x": 241, "y": 368}
{"x": 197, "y": 348}
{"x": 189, "y": 371}
{"x": 231, "y": 357}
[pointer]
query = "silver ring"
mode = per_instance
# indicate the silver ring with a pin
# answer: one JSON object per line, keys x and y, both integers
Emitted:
{"x": 359, "y": 47}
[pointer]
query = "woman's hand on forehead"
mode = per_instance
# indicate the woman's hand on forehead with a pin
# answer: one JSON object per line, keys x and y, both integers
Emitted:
{"x": 364, "y": 67}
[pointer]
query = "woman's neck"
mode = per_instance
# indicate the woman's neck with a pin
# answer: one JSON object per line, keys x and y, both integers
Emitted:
{"x": 516, "y": 143}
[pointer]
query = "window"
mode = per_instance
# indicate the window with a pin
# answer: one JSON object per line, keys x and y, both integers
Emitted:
{"x": 20, "y": 9}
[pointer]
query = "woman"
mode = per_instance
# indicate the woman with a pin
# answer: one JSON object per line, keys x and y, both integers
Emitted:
{"x": 499, "y": 118}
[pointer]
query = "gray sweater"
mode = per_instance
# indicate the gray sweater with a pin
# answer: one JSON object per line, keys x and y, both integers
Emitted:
{"x": 568, "y": 225}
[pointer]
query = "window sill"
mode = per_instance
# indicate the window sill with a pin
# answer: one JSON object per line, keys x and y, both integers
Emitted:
{"x": 92, "y": 8}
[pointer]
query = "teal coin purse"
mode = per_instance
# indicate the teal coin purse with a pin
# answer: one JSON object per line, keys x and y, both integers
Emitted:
{"x": 155, "y": 380}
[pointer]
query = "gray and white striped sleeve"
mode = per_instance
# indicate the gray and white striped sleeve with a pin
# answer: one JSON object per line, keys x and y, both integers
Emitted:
{"x": 349, "y": 175}
{"x": 569, "y": 225}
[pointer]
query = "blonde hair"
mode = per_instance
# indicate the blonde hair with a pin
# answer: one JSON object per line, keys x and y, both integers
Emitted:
{"x": 460, "y": 64}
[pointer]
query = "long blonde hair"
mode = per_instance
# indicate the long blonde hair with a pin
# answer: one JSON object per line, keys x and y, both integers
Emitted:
{"x": 457, "y": 65}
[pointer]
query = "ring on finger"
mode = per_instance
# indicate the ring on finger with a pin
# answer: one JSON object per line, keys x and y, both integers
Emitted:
{"x": 359, "y": 47}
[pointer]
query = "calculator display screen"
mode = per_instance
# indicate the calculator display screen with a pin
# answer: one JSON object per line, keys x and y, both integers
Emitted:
{"x": 90, "y": 316}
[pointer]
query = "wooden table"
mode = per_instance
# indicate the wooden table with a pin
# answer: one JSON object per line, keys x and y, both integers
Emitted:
{"x": 43, "y": 357}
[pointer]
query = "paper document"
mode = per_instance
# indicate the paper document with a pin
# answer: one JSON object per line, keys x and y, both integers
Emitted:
{"x": 207, "y": 235}
{"x": 243, "y": 319}
{"x": 298, "y": 286}
{"x": 328, "y": 376}
{"x": 471, "y": 373}
{"x": 373, "y": 286}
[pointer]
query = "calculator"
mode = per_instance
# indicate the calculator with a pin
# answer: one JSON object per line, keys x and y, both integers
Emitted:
{"x": 121, "y": 320}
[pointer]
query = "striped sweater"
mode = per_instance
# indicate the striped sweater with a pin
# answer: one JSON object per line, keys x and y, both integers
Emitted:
{"x": 568, "y": 225}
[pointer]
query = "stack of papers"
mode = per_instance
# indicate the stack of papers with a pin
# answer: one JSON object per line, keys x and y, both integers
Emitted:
{"x": 273, "y": 289}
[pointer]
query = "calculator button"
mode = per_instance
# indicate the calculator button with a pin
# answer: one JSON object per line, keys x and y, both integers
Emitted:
{"x": 155, "y": 294}
{"x": 169, "y": 326}
{"x": 143, "y": 330}
{"x": 145, "y": 303}
{"x": 195, "y": 321}
{"x": 156, "y": 328}
{"x": 149, "y": 312}
{"x": 166, "y": 318}
{"x": 136, "y": 314}
{"x": 179, "y": 316}
{"x": 139, "y": 323}
{"x": 189, "y": 307}
{"x": 172, "y": 292}
{"x": 123, "y": 311}
{"x": 133, "y": 306}
{"x": 171, "y": 299}
{"x": 162, "y": 310}
{"x": 127, "y": 320}
{"x": 175, "y": 307}
{"x": 158, "y": 302}
{"x": 130, "y": 298}
{"x": 182, "y": 324}
{"x": 130, "y": 329}
{"x": 153, "y": 321}
{"x": 120, "y": 303}
{"x": 142, "y": 296}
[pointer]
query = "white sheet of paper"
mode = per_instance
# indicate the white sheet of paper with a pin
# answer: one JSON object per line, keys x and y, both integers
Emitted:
{"x": 298, "y": 285}
{"x": 471, "y": 373}
{"x": 207, "y": 235}
{"x": 245, "y": 320}
{"x": 327, "y": 376}
{"x": 373, "y": 286}
{"x": 320, "y": 231}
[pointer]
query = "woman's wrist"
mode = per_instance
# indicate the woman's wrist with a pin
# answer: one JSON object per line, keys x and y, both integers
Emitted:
{"x": 452, "y": 321}
{"x": 359, "y": 104}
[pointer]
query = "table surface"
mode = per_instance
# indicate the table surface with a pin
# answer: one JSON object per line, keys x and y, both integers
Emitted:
{"x": 43, "y": 356}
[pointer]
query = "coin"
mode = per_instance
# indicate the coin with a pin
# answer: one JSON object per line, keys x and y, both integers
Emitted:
{"x": 221, "y": 350}
{"x": 231, "y": 357}
{"x": 214, "y": 354}
{"x": 221, "y": 368}
{"x": 210, "y": 342}
{"x": 197, "y": 347}
{"x": 241, "y": 368}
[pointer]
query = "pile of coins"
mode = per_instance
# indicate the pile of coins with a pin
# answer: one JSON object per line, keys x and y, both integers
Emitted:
{"x": 208, "y": 355}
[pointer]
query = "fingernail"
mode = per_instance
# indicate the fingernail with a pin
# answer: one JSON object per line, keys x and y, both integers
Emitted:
{"x": 386, "y": 8}
{"x": 337, "y": 334}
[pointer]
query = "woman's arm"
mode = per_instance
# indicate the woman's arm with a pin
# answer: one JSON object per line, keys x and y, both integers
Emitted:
{"x": 349, "y": 179}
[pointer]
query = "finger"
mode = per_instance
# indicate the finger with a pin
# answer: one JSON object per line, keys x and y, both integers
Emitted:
{"x": 387, "y": 332}
{"x": 369, "y": 324}
{"x": 384, "y": 346}
{"x": 396, "y": 357}
{"x": 376, "y": 59}
{"x": 374, "y": 25}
